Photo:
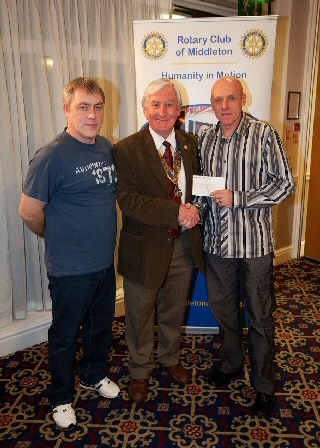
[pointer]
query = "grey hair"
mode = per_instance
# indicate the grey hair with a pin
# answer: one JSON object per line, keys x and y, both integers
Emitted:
{"x": 156, "y": 86}
{"x": 87, "y": 84}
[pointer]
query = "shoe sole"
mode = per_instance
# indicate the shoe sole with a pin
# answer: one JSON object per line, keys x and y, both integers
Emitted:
{"x": 259, "y": 415}
{"x": 175, "y": 381}
{"x": 178, "y": 382}
{"x": 135, "y": 400}
{"x": 264, "y": 414}
{"x": 227, "y": 380}
{"x": 66, "y": 428}
{"x": 97, "y": 390}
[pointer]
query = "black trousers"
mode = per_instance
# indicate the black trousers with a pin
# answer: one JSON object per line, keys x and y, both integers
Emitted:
{"x": 228, "y": 279}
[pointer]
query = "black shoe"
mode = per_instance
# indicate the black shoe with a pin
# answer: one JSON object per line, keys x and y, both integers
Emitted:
{"x": 263, "y": 404}
{"x": 218, "y": 377}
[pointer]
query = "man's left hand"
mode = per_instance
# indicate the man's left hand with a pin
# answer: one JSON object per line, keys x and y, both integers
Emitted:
{"x": 224, "y": 198}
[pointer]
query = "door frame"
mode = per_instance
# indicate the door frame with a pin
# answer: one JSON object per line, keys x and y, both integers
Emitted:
{"x": 308, "y": 111}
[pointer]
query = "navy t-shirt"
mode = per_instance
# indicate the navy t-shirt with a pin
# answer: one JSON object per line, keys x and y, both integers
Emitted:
{"x": 77, "y": 181}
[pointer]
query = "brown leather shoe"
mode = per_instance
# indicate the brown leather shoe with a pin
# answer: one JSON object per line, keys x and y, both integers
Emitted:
{"x": 138, "y": 390}
{"x": 178, "y": 374}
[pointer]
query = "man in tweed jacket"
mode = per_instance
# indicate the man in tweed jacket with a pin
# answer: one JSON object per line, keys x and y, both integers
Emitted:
{"x": 157, "y": 267}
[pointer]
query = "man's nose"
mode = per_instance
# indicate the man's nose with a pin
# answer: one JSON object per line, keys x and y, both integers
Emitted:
{"x": 92, "y": 112}
{"x": 225, "y": 103}
{"x": 162, "y": 109}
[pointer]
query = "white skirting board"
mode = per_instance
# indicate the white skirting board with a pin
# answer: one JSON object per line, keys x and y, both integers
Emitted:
{"x": 33, "y": 330}
{"x": 25, "y": 333}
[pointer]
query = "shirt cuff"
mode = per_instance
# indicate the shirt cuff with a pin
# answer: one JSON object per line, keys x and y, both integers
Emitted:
{"x": 239, "y": 199}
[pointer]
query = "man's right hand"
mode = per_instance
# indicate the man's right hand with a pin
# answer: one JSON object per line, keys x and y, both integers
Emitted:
{"x": 188, "y": 216}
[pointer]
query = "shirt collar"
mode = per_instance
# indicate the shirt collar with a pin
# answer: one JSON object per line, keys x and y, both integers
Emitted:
{"x": 158, "y": 139}
{"x": 241, "y": 128}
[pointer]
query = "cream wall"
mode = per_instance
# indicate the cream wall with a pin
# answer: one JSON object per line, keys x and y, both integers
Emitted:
{"x": 293, "y": 71}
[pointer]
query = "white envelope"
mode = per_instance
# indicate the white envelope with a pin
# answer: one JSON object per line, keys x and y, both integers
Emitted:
{"x": 204, "y": 185}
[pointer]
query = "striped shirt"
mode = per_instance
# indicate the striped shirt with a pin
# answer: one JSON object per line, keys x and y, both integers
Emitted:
{"x": 255, "y": 167}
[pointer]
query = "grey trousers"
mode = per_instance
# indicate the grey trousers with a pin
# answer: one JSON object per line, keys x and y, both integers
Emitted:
{"x": 228, "y": 280}
{"x": 167, "y": 304}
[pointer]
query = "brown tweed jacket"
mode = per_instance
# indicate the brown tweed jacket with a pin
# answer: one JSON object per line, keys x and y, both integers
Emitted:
{"x": 145, "y": 245}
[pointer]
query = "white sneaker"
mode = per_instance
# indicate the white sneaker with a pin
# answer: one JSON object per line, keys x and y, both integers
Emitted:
{"x": 105, "y": 387}
{"x": 64, "y": 415}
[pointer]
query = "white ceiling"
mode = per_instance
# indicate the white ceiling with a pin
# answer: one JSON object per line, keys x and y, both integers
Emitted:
{"x": 227, "y": 3}
{"x": 218, "y": 7}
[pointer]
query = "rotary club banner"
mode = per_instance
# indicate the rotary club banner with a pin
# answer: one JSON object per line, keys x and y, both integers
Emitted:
{"x": 194, "y": 53}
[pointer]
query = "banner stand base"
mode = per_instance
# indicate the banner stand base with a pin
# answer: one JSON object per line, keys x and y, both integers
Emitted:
{"x": 200, "y": 330}
{"x": 206, "y": 330}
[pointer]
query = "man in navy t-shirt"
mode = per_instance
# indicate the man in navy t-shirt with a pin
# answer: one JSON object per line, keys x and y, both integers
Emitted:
{"x": 69, "y": 200}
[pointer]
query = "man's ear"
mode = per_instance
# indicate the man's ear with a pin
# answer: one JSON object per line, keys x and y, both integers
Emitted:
{"x": 144, "y": 111}
{"x": 66, "y": 110}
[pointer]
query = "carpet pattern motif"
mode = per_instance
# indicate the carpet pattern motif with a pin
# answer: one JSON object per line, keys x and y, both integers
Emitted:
{"x": 195, "y": 415}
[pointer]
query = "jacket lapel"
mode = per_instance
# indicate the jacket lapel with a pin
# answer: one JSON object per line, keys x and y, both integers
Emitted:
{"x": 153, "y": 159}
{"x": 187, "y": 161}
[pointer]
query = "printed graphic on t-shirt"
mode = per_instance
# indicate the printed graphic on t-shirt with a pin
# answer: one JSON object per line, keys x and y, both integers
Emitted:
{"x": 101, "y": 171}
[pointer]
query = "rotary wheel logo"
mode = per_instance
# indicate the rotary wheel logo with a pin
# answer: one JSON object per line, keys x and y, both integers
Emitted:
{"x": 254, "y": 44}
{"x": 154, "y": 46}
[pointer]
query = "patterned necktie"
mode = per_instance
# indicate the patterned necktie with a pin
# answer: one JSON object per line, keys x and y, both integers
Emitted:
{"x": 224, "y": 232}
{"x": 171, "y": 196}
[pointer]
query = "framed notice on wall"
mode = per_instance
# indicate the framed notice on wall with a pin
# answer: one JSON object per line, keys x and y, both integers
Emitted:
{"x": 293, "y": 105}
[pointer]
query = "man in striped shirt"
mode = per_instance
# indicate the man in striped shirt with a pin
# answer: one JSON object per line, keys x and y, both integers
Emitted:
{"x": 238, "y": 235}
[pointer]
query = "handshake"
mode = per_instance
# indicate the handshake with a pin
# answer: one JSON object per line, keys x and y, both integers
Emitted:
{"x": 189, "y": 216}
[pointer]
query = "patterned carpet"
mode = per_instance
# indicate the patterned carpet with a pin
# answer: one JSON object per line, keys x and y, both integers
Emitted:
{"x": 183, "y": 416}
